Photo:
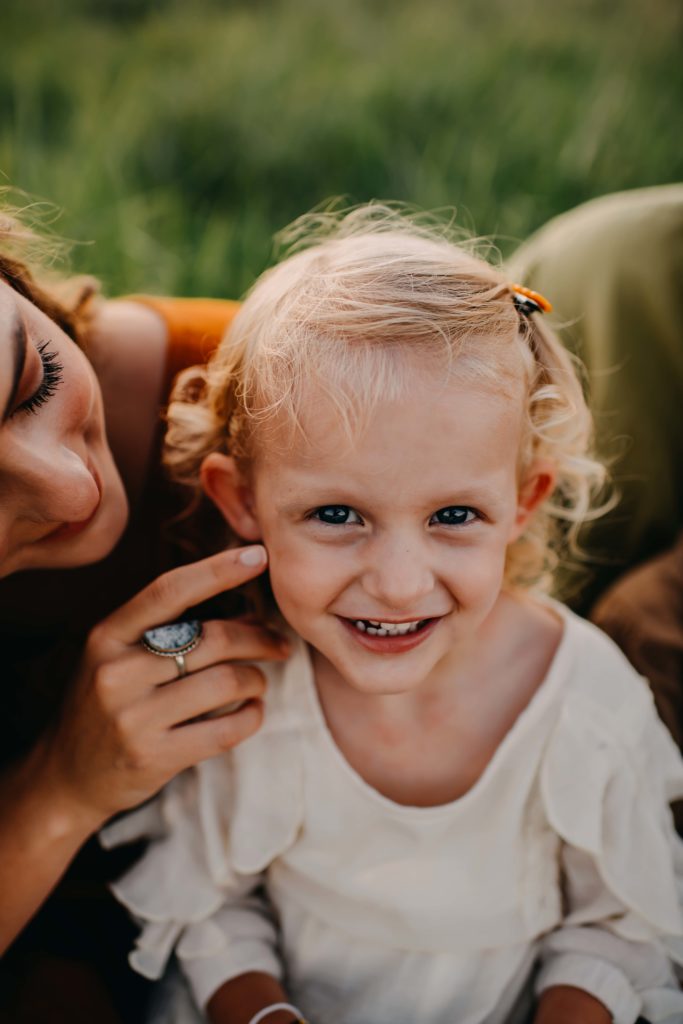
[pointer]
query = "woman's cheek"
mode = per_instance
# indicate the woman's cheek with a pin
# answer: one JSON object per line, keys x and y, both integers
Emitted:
{"x": 66, "y": 490}
{"x": 86, "y": 405}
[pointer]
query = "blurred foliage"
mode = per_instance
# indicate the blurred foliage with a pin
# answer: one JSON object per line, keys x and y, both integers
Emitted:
{"x": 177, "y": 137}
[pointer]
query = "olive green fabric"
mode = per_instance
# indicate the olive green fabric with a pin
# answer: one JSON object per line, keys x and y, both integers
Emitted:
{"x": 613, "y": 269}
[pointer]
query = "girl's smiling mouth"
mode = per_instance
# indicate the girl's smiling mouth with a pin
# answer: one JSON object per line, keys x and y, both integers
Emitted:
{"x": 390, "y": 637}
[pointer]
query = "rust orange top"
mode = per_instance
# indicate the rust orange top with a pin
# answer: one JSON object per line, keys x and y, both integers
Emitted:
{"x": 195, "y": 326}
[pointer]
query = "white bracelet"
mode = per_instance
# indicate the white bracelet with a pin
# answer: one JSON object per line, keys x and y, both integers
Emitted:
{"x": 267, "y": 1010}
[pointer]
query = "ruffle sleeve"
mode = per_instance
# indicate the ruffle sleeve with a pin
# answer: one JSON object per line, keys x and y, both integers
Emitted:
{"x": 213, "y": 830}
{"x": 608, "y": 775}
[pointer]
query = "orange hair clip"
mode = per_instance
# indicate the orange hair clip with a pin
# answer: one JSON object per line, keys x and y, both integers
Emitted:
{"x": 527, "y": 301}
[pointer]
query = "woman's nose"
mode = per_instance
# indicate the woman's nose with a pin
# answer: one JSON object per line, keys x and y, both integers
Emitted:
{"x": 59, "y": 486}
{"x": 399, "y": 573}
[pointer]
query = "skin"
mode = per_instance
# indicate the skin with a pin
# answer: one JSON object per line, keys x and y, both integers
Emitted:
{"x": 56, "y": 468}
{"x": 428, "y": 500}
{"x": 68, "y": 471}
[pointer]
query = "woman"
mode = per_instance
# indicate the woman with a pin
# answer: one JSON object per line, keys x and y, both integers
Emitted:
{"x": 88, "y": 728}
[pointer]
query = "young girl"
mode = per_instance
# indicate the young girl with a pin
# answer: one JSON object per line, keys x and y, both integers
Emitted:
{"x": 455, "y": 811}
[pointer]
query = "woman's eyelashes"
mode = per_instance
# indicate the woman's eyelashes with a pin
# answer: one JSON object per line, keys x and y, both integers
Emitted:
{"x": 52, "y": 377}
{"x": 344, "y": 515}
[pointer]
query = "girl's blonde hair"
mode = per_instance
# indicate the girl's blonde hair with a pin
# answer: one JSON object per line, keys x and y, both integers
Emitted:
{"x": 356, "y": 288}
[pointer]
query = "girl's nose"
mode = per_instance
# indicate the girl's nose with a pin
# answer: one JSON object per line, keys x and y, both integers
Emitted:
{"x": 399, "y": 574}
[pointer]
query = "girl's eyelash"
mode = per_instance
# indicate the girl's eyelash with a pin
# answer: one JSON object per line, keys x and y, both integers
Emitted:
{"x": 450, "y": 516}
{"x": 465, "y": 510}
{"x": 338, "y": 517}
{"x": 53, "y": 374}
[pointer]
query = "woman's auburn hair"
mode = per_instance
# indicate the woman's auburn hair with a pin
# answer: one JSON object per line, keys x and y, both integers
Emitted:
{"x": 354, "y": 287}
{"x": 27, "y": 252}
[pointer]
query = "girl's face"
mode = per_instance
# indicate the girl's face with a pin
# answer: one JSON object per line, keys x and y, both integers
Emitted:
{"x": 388, "y": 554}
{"x": 62, "y": 501}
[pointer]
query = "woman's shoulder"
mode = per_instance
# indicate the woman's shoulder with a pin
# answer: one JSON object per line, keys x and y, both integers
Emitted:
{"x": 127, "y": 339}
{"x": 193, "y": 327}
{"x": 127, "y": 346}
{"x": 145, "y": 340}
{"x": 137, "y": 346}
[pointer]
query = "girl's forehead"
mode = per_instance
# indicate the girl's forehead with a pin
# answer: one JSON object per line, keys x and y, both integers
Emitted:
{"x": 326, "y": 389}
{"x": 436, "y": 421}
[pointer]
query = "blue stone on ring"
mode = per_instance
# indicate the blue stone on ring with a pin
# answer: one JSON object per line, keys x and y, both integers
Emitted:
{"x": 173, "y": 638}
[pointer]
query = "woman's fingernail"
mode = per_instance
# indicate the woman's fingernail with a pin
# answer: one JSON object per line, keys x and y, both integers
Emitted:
{"x": 255, "y": 555}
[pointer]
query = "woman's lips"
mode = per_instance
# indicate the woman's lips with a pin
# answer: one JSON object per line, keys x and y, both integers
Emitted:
{"x": 391, "y": 644}
{"x": 68, "y": 530}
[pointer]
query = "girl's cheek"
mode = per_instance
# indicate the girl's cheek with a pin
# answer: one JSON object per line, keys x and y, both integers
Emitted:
{"x": 476, "y": 570}
{"x": 299, "y": 577}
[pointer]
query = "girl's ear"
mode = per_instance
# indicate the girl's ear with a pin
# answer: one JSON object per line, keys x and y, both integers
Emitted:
{"x": 537, "y": 485}
{"x": 222, "y": 481}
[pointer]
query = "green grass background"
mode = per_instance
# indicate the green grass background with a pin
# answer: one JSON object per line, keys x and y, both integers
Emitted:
{"x": 178, "y": 136}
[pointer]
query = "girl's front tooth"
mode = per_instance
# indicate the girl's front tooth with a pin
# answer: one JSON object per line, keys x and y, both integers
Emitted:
{"x": 371, "y": 631}
{"x": 382, "y": 632}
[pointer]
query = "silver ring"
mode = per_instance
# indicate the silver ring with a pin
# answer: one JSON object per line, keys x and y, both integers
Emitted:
{"x": 173, "y": 640}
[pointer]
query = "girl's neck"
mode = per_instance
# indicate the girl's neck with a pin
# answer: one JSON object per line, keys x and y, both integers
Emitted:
{"x": 430, "y": 745}
{"x": 476, "y": 665}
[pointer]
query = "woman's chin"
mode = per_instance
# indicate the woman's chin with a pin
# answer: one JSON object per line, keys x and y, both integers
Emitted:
{"x": 88, "y": 547}
{"x": 98, "y": 538}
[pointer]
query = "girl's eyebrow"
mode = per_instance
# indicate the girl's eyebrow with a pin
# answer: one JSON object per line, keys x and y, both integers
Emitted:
{"x": 481, "y": 494}
{"x": 19, "y": 348}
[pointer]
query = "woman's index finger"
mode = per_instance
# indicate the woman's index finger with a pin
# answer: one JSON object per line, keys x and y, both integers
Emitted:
{"x": 167, "y": 597}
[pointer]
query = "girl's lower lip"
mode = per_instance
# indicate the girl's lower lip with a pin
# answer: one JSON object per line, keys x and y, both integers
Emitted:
{"x": 390, "y": 644}
{"x": 69, "y": 530}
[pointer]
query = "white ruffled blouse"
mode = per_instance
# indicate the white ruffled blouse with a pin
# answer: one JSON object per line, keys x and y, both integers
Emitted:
{"x": 559, "y": 866}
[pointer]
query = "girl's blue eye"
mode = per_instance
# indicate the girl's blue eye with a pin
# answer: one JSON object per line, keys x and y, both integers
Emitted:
{"x": 336, "y": 515}
{"x": 454, "y": 515}
{"x": 52, "y": 378}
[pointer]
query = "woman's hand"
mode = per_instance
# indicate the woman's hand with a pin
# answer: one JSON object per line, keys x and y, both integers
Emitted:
{"x": 123, "y": 733}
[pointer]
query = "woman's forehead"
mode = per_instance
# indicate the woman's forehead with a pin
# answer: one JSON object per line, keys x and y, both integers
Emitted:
{"x": 12, "y": 344}
{"x": 8, "y": 306}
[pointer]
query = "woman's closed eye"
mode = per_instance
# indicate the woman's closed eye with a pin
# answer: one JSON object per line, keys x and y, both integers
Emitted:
{"x": 336, "y": 515}
{"x": 454, "y": 515}
{"x": 50, "y": 381}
